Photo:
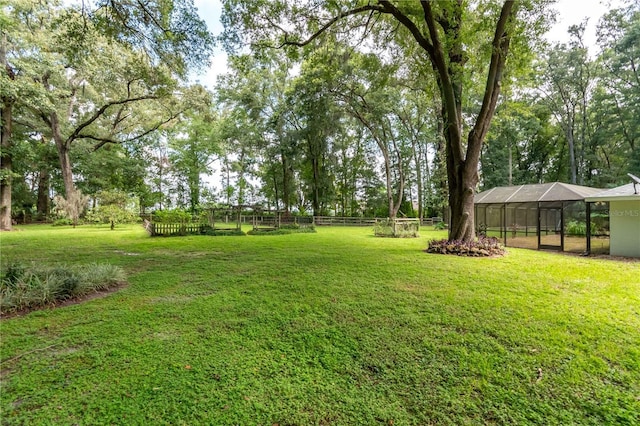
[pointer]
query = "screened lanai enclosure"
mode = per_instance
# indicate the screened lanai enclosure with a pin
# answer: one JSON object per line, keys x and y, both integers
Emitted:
{"x": 551, "y": 216}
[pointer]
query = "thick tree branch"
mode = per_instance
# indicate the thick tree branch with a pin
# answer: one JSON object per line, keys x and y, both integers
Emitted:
{"x": 104, "y": 141}
{"x": 410, "y": 25}
{"x": 76, "y": 133}
{"x": 500, "y": 45}
{"x": 326, "y": 26}
{"x": 445, "y": 83}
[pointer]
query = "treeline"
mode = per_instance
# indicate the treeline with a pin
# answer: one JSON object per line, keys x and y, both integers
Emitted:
{"x": 96, "y": 101}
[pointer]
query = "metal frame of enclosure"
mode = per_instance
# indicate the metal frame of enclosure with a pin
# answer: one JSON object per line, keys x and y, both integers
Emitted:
{"x": 549, "y": 216}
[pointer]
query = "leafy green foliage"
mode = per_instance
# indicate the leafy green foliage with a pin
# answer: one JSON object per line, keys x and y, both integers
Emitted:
{"x": 172, "y": 216}
{"x": 576, "y": 228}
{"x": 34, "y": 286}
{"x": 170, "y": 32}
{"x": 208, "y": 230}
{"x": 440, "y": 226}
{"x": 285, "y": 230}
{"x": 114, "y": 207}
{"x": 71, "y": 207}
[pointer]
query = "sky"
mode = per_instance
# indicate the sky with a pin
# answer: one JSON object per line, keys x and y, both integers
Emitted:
{"x": 570, "y": 12}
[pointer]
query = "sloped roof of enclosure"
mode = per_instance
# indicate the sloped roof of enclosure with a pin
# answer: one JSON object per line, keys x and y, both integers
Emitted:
{"x": 627, "y": 192}
{"x": 555, "y": 191}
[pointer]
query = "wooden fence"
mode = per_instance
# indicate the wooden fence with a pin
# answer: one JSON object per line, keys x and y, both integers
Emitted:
{"x": 167, "y": 229}
{"x": 343, "y": 221}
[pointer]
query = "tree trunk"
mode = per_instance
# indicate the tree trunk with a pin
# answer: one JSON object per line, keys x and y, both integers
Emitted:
{"x": 398, "y": 203}
{"x": 316, "y": 186}
{"x": 461, "y": 198}
{"x": 418, "y": 163}
{"x": 6, "y": 168}
{"x": 572, "y": 151}
{"x": 43, "y": 194}
{"x": 286, "y": 182}
{"x": 387, "y": 174}
{"x": 462, "y": 165}
{"x": 194, "y": 192}
{"x": 275, "y": 189}
{"x": 63, "y": 155}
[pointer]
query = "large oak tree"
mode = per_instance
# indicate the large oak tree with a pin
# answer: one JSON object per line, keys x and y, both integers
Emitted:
{"x": 454, "y": 39}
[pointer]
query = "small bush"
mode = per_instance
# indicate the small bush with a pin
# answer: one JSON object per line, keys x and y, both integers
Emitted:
{"x": 208, "y": 230}
{"x": 440, "y": 226}
{"x": 172, "y": 216}
{"x": 290, "y": 226}
{"x": 62, "y": 222}
{"x": 577, "y": 228}
{"x": 283, "y": 231}
{"x": 28, "y": 287}
{"x": 482, "y": 247}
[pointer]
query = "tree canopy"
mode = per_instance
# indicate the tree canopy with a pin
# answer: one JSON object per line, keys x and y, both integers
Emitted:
{"x": 380, "y": 108}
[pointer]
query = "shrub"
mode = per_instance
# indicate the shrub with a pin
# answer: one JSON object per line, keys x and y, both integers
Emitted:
{"x": 440, "y": 226}
{"x": 62, "y": 222}
{"x": 208, "y": 230}
{"x": 577, "y": 228}
{"x": 28, "y": 287}
{"x": 290, "y": 226}
{"x": 283, "y": 230}
{"x": 114, "y": 207}
{"x": 172, "y": 216}
{"x": 482, "y": 247}
{"x": 72, "y": 207}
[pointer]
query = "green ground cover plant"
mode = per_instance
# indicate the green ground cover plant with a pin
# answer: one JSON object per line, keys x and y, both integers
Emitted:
{"x": 37, "y": 285}
{"x": 336, "y": 327}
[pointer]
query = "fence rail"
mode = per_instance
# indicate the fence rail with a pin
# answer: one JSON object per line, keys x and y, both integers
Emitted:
{"x": 343, "y": 221}
{"x": 165, "y": 229}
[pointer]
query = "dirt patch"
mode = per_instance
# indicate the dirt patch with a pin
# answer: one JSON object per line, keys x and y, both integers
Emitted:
{"x": 68, "y": 302}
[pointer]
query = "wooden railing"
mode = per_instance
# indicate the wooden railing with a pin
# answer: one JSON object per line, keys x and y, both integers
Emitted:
{"x": 195, "y": 228}
{"x": 166, "y": 229}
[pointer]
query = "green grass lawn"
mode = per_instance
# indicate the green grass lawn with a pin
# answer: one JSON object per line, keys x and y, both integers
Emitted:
{"x": 336, "y": 328}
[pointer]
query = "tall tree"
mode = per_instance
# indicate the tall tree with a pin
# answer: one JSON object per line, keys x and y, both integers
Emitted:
{"x": 81, "y": 72}
{"x": 445, "y": 32}
{"x": 317, "y": 122}
{"x": 194, "y": 142}
{"x": 569, "y": 78}
{"x": 617, "y": 95}
{"x": 7, "y": 99}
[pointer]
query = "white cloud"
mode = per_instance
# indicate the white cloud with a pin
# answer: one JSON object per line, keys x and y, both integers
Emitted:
{"x": 573, "y": 12}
